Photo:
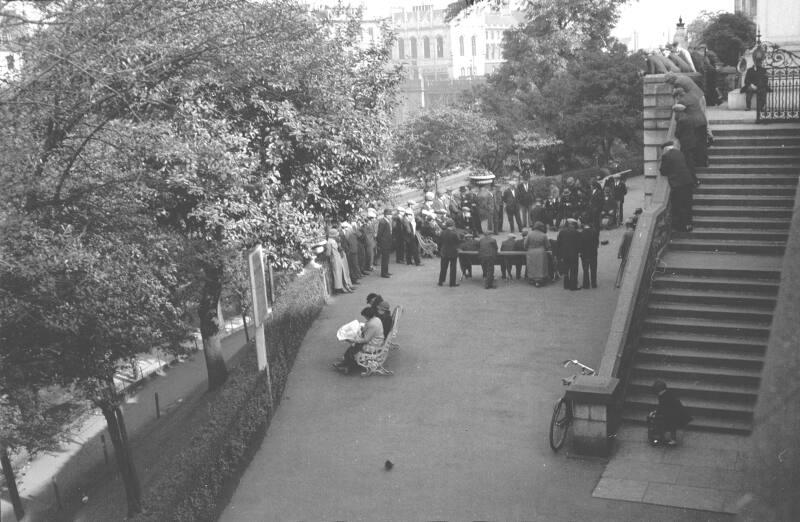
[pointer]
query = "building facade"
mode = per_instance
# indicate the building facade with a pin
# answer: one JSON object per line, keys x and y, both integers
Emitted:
{"x": 423, "y": 42}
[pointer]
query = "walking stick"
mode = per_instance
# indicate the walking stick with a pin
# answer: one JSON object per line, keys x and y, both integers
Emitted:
{"x": 620, "y": 271}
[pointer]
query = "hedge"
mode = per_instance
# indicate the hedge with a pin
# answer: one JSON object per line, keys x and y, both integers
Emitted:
{"x": 199, "y": 481}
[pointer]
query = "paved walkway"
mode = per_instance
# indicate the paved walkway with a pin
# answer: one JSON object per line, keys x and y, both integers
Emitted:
{"x": 464, "y": 419}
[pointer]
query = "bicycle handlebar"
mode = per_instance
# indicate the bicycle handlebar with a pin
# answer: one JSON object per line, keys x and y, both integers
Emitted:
{"x": 585, "y": 370}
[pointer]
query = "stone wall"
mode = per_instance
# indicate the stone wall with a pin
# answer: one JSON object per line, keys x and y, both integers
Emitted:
{"x": 598, "y": 399}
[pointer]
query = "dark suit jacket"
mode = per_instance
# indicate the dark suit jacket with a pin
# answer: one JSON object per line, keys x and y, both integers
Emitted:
{"x": 487, "y": 247}
{"x": 448, "y": 243}
{"x": 568, "y": 244}
{"x": 508, "y": 244}
{"x": 757, "y": 77}
{"x": 384, "y": 235}
{"x": 510, "y": 199}
{"x": 525, "y": 197}
{"x": 589, "y": 242}
{"x": 694, "y": 112}
{"x": 673, "y": 165}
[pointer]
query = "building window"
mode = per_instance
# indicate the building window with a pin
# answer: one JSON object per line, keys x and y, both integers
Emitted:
{"x": 413, "y": 48}
{"x": 401, "y": 48}
{"x": 10, "y": 65}
{"x": 474, "y": 46}
{"x": 426, "y": 47}
{"x": 461, "y": 44}
{"x": 439, "y": 47}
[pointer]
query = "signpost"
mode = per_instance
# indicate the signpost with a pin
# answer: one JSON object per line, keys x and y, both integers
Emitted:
{"x": 262, "y": 290}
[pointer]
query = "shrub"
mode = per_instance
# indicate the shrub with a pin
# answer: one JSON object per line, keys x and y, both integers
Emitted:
{"x": 197, "y": 483}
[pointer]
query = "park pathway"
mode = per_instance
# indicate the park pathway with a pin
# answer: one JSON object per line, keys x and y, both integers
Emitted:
{"x": 464, "y": 418}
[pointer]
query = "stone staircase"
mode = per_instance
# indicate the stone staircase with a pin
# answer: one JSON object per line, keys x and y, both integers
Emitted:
{"x": 714, "y": 291}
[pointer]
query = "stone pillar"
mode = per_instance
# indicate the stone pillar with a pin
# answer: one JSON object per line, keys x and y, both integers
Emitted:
{"x": 593, "y": 399}
{"x": 657, "y": 109}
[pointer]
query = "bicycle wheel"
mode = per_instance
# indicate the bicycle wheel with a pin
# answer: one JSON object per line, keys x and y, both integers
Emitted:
{"x": 559, "y": 424}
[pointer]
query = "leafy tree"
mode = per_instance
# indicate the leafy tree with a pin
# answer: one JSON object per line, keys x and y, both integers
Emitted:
{"x": 437, "y": 140}
{"x": 729, "y": 35}
{"x": 595, "y": 103}
{"x": 696, "y": 28}
{"x": 146, "y": 142}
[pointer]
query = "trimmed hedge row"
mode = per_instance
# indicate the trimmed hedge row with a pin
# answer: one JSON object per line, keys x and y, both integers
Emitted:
{"x": 199, "y": 481}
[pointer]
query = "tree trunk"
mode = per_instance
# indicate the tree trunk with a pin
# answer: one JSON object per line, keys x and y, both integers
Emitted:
{"x": 210, "y": 327}
{"x": 244, "y": 324}
{"x": 11, "y": 483}
{"x": 122, "y": 453}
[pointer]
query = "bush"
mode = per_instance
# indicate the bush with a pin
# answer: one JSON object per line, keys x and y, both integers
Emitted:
{"x": 198, "y": 482}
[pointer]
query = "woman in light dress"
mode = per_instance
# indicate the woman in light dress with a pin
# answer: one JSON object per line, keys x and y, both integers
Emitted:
{"x": 341, "y": 271}
{"x": 537, "y": 245}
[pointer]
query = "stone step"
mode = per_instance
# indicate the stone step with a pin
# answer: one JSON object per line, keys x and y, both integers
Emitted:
{"x": 741, "y": 329}
{"x": 748, "y": 167}
{"x": 697, "y": 406}
{"x": 741, "y": 200}
{"x": 754, "y": 189}
{"x": 738, "y": 234}
{"x": 720, "y": 312}
{"x": 674, "y": 295}
{"x": 699, "y": 209}
{"x": 701, "y": 264}
{"x": 767, "y": 287}
{"x": 772, "y": 159}
{"x": 700, "y": 423}
{"x": 669, "y": 372}
{"x": 713, "y": 358}
{"x": 716, "y": 245}
{"x": 756, "y": 141}
{"x": 748, "y": 180}
{"x": 748, "y": 130}
{"x": 725, "y": 149}
{"x": 694, "y": 388}
{"x": 742, "y": 223}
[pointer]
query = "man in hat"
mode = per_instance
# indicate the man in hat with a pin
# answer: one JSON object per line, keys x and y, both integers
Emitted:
{"x": 398, "y": 236}
{"x": 509, "y": 245}
{"x": 568, "y": 250}
{"x": 674, "y": 167}
{"x": 497, "y": 192}
{"x": 384, "y": 241}
{"x": 525, "y": 200}
{"x": 448, "y": 250}
{"x": 350, "y": 247}
{"x": 485, "y": 204}
{"x": 589, "y": 244}
{"x": 369, "y": 230}
{"x": 410, "y": 235}
{"x": 487, "y": 252}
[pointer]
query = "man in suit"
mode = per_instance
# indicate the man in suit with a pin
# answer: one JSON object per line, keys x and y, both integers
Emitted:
{"x": 410, "y": 234}
{"x": 512, "y": 207}
{"x": 568, "y": 250}
{"x": 487, "y": 252}
{"x": 755, "y": 82}
{"x": 448, "y": 250}
{"x": 350, "y": 247}
{"x": 469, "y": 244}
{"x": 525, "y": 200}
{"x": 589, "y": 243}
{"x": 384, "y": 241}
{"x": 696, "y": 118}
{"x": 673, "y": 165}
{"x": 509, "y": 245}
{"x": 369, "y": 229}
{"x": 498, "y": 208}
{"x": 398, "y": 238}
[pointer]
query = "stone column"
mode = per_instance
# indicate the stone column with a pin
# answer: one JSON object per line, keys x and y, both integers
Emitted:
{"x": 593, "y": 409}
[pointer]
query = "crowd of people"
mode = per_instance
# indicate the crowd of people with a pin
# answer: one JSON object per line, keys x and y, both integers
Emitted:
{"x": 674, "y": 58}
{"x": 450, "y": 221}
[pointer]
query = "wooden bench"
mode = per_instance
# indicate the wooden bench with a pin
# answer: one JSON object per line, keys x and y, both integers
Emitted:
{"x": 373, "y": 362}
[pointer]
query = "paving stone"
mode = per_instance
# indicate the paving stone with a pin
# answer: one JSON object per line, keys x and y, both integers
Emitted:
{"x": 708, "y": 457}
{"x": 640, "y": 451}
{"x": 620, "y": 489}
{"x": 642, "y": 471}
{"x": 707, "y": 499}
{"x": 710, "y": 477}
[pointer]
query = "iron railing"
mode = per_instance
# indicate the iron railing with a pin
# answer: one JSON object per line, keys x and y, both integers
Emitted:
{"x": 783, "y": 77}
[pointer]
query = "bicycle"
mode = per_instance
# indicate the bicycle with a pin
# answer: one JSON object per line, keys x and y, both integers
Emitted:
{"x": 562, "y": 412}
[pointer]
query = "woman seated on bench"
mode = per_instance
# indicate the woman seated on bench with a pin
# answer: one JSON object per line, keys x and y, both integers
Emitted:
{"x": 370, "y": 340}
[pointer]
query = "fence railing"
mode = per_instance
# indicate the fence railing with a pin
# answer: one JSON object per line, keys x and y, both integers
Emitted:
{"x": 783, "y": 76}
